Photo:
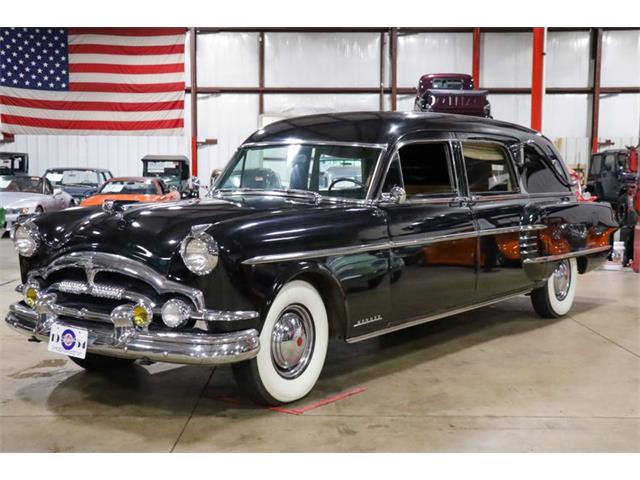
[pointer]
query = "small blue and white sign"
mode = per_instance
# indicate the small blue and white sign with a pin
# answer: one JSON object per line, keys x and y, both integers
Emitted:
{"x": 69, "y": 341}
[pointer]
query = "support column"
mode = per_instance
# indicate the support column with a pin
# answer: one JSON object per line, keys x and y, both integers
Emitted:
{"x": 595, "y": 100}
{"x": 261, "y": 72}
{"x": 537, "y": 78}
{"x": 475, "y": 68}
{"x": 394, "y": 68}
{"x": 193, "y": 37}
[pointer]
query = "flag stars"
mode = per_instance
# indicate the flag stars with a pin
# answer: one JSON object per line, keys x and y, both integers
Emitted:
{"x": 34, "y": 58}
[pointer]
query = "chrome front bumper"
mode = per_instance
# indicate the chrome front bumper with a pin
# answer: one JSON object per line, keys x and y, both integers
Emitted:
{"x": 158, "y": 346}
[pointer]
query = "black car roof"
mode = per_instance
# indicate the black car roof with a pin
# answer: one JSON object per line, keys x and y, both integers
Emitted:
{"x": 380, "y": 127}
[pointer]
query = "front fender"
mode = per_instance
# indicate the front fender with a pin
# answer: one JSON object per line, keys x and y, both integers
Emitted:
{"x": 324, "y": 281}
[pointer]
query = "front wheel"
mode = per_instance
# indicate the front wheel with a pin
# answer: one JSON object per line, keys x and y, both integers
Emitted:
{"x": 293, "y": 347}
{"x": 555, "y": 298}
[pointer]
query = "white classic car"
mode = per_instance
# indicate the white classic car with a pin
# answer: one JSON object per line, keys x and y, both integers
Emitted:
{"x": 27, "y": 195}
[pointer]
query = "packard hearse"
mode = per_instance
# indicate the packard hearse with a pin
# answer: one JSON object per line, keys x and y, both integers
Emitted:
{"x": 445, "y": 214}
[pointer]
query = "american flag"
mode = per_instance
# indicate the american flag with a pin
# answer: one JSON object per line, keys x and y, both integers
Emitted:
{"x": 92, "y": 81}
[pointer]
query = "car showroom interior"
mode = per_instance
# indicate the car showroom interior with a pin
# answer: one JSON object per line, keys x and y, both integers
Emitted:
{"x": 319, "y": 238}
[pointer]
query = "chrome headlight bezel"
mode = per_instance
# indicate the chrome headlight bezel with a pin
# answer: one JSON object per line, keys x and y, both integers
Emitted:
{"x": 205, "y": 242}
{"x": 28, "y": 244}
{"x": 175, "y": 313}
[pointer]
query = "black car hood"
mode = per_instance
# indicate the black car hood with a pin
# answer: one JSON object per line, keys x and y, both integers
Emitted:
{"x": 148, "y": 232}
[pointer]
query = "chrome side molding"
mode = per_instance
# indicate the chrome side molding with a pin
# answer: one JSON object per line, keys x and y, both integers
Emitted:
{"x": 431, "y": 318}
{"x": 563, "y": 256}
{"x": 387, "y": 245}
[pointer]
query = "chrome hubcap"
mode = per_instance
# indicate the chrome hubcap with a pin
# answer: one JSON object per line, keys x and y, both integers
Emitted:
{"x": 562, "y": 280}
{"x": 292, "y": 341}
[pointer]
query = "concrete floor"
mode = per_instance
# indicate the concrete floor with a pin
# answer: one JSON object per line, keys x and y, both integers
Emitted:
{"x": 497, "y": 379}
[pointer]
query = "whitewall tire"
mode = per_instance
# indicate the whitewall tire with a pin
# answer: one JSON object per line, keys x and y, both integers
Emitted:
{"x": 556, "y": 297}
{"x": 293, "y": 347}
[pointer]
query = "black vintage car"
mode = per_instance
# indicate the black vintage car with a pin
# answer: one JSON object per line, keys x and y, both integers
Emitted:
{"x": 446, "y": 214}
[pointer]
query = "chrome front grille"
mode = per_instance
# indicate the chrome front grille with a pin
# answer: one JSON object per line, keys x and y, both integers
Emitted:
{"x": 90, "y": 285}
{"x": 85, "y": 288}
{"x": 109, "y": 276}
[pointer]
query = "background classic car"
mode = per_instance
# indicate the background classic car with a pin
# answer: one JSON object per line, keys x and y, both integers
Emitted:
{"x": 132, "y": 189}
{"x": 78, "y": 182}
{"x": 26, "y": 195}
{"x": 451, "y": 93}
{"x": 261, "y": 278}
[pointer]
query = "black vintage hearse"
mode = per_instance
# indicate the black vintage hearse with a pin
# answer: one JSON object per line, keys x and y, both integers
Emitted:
{"x": 432, "y": 215}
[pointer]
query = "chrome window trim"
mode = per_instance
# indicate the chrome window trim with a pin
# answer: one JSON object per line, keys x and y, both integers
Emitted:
{"x": 292, "y": 141}
{"x": 386, "y": 245}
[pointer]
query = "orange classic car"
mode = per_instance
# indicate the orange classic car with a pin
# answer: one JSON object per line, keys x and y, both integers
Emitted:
{"x": 134, "y": 189}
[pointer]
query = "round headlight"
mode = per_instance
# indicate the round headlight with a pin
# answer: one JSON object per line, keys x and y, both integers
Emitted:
{"x": 175, "y": 313}
{"x": 26, "y": 239}
{"x": 199, "y": 253}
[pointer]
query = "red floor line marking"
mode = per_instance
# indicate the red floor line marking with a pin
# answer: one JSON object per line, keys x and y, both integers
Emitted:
{"x": 294, "y": 411}
{"x": 320, "y": 403}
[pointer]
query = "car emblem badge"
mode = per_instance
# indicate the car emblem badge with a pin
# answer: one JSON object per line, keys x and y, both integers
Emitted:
{"x": 368, "y": 320}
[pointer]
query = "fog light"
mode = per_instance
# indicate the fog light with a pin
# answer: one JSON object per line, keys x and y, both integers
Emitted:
{"x": 141, "y": 315}
{"x": 31, "y": 294}
{"x": 175, "y": 313}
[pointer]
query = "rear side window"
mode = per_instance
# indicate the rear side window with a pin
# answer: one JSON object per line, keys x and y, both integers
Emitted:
{"x": 426, "y": 169}
{"x": 596, "y": 165}
{"x": 610, "y": 162}
{"x": 488, "y": 168}
{"x": 537, "y": 174}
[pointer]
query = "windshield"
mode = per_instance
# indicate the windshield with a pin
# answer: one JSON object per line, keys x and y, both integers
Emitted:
{"x": 137, "y": 187}
{"x": 448, "y": 83}
{"x": 329, "y": 170}
{"x": 20, "y": 184}
{"x": 72, "y": 177}
{"x": 164, "y": 169}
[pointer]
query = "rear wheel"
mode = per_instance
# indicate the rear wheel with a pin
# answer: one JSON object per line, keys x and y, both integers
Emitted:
{"x": 293, "y": 347}
{"x": 99, "y": 362}
{"x": 555, "y": 298}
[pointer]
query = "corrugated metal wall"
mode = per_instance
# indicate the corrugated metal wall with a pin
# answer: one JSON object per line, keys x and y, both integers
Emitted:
{"x": 352, "y": 60}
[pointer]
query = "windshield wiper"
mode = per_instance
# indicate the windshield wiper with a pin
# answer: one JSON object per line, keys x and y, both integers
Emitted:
{"x": 298, "y": 192}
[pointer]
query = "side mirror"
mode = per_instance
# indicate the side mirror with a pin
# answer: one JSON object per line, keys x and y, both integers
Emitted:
{"x": 214, "y": 176}
{"x": 396, "y": 195}
{"x": 195, "y": 181}
{"x": 57, "y": 191}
